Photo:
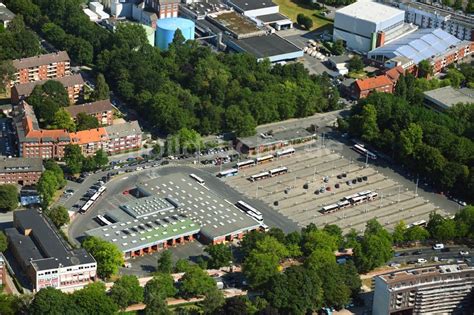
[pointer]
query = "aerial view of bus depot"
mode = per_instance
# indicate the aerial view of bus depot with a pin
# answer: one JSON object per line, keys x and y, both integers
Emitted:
{"x": 236, "y": 157}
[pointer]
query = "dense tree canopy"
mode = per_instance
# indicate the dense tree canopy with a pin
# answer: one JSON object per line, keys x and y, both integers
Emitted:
{"x": 437, "y": 146}
{"x": 109, "y": 258}
{"x": 8, "y": 197}
{"x": 126, "y": 291}
{"x": 58, "y": 215}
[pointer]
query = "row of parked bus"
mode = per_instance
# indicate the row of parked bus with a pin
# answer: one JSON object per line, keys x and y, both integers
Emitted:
{"x": 349, "y": 201}
{"x": 271, "y": 173}
{"x": 257, "y": 161}
{"x": 92, "y": 199}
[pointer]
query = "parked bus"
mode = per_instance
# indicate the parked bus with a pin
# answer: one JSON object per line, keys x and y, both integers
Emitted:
{"x": 360, "y": 149}
{"x": 244, "y": 164}
{"x": 95, "y": 196}
{"x": 264, "y": 159}
{"x": 278, "y": 171}
{"x": 259, "y": 176}
{"x": 421, "y": 223}
{"x": 102, "y": 220}
{"x": 249, "y": 210}
{"x": 329, "y": 209}
{"x": 86, "y": 206}
{"x": 285, "y": 152}
{"x": 101, "y": 190}
{"x": 343, "y": 204}
{"x": 227, "y": 173}
{"x": 197, "y": 178}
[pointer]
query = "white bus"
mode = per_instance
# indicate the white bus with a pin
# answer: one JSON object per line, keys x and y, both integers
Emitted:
{"x": 229, "y": 172}
{"x": 94, "y": 197}
{"x": 343, "y": 204}
{"x": 285, "y": 152}
{"x": 264, "y": 159}
{"x": 363, "y": 193}
{"x": 421, "y": 223}
{"x": 197, "y": 178}
{"x": 251, "y": 211}
{"x": 86, "y": 206}
{"x": 259, "y": 176}
{"x": 244, "y": 164}
{"x": 329, "y": 209}
{"x": 278, "y": 171}
{"x": 103, "y": 220}
{"x": 360, "y": 149}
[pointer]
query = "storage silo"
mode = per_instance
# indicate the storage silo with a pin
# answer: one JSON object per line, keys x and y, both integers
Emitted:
{"x": 166, "y": 28}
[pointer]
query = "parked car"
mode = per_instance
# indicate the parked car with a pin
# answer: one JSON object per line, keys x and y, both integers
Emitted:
{"x": 421, "y": 261}
{"x": 438, "y": 246}
{"x": 463, "y": 253}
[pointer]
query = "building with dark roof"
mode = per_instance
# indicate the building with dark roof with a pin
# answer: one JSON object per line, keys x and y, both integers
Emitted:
{"x": 102, "y": 110}
{"x": 272, "y": 47}
{"x": 254, "y": 8}
{"x": 74, "y": 85}
{"x": 21, "y": 171}
{"x": 41, "y": 67}
{"x": 45, "y": 257}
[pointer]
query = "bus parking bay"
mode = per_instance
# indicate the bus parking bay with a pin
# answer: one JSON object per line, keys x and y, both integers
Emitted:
{"x": 293, "y": 193}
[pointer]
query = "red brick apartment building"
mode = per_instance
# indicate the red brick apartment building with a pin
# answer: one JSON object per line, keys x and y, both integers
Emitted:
{"x": 382, "y": 83}
{"x": 21, "y": 171}
{"x": 36, "y": 142}
{"x": 102, "y": 110}
{"x": 42, "y": 67}
{"x": 74, "y": 85}
{"x": 164, "y": 8}
{"x": 452, "y": 56}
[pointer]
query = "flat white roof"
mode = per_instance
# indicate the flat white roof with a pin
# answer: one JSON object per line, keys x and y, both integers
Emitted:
{"x": 370, "y": 11}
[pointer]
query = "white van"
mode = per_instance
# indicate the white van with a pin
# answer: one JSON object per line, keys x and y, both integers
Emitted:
{"x": 421, "y": 261}
{"x": 438, "y": 246}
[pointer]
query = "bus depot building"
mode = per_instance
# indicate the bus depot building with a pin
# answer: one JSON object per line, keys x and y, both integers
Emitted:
{"x": 171, "y": 210}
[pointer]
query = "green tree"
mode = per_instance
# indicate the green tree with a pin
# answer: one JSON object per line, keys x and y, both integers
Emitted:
{"x": 319, "y": 239}
{"x": 410, "y": 139}
{"x": 100, "y": 158}
{"x": 182, "y": 265}
{"x": 50, "y": 301}
{"x": 416, "y": 233}
{"x": 297, "y": 291}
{"x": 8, "y": 197}
{"x": 52, "y": 166}
{"x": 8, "y": 304}
{"x": 162, "y": 286}
{"x": 221, "y": 255}
{"x": 109, "y": 258}
{"x": 399, "y": 232}
{"x": 47, "y": 99}
{"x": 355, "y": 64}
{"x": 126, "y": 291}
{"x": 304, "y": 21}
{"x": 157, "y": 306}
{"x": 464, "y": 221}
{"x": 46, "y": 187}
{"x": 375, "y": 248}
{"x": 63, "y": 120}
{"x": 165, "y": 262}
{"x": 263, "y": 262}
{"x": 455, "y": 77}
{"x": 195, "y": 282}
{"x": 338, "y": 47}
{"x": 7, "y": 72}
{"x": 401, "y": 87}
{"x": 370, "y": 129}
{"x": 3, "y": 242}
{"x": 93, "y": 300}
{"x": 86, "y": 122}
{"x": 351, "y": 278}
{"x": 58, "y": 215}
{"x": 425, "y": 69}
{"x": 214, "y": 299}
{"x": 102, "y": 91}
{"x": 73, "y": 158}
{"x": 234, "y": 306}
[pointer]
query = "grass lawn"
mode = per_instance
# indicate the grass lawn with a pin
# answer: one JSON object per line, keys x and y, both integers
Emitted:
{"x": 358, "y": 75}
{"x": 291, "y": 8}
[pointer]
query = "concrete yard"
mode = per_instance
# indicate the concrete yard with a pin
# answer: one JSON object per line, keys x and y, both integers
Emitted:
{"x": 286, "y": 193}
